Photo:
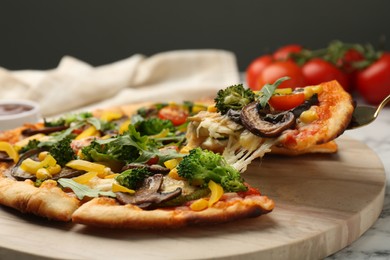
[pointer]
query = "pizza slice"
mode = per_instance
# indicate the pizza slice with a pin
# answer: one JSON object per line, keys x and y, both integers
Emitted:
{"x": 245, "y": 125}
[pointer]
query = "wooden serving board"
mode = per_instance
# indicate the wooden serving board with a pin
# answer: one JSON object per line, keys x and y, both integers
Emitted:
{"x": 323, "y": 203}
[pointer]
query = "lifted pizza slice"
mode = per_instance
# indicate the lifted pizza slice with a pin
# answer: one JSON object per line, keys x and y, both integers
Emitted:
{"x": 245, "y": 125}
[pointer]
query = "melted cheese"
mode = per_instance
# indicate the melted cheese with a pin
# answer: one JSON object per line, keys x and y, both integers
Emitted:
{"x": 170, "y": 184}
{"x": 238, "y": 145}
{"x": 101, "y": 184}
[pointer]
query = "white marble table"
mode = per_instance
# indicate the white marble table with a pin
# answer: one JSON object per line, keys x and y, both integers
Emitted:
{"x": 375, "y": 242}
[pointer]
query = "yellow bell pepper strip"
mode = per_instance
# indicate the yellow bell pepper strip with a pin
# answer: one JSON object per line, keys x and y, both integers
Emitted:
{"x": 170, "y": 164}
{"x": 174, "y": 174}
{"x": 185, "y": 150}
{"x": 162, "y": 134}
{"x": 19, "y": 145}
{"x": 197, "y": 108}
{"x": 32, "y": 166}
{"x": 283, "y": 91}
{"x": 85, "y": 178}
{"x": 42, "y": 155}
{"x": 211, "y": 108}
{"x": 53, "y": 170}
{"x": 110, "y": 116}
{"x": 43, "y": 174}
{"x": 216, "y": 193}
{"x": 9, "y": 150}
{"x": 119, "y": 188}
{"x": 89, "y": 167}
{"x": 124, "y": 126}
{"x": 199, "y": 204}
{"x": 111, "y": 176}
{"x": 90, "y": 131}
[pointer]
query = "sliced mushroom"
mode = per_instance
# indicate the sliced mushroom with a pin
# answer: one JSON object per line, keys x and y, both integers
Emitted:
{"x": 265, "y": 126}
{"x": 4, "y": 157}
{"x": 234, "y": 115}
{"x": 19, "y": 174}
{"x": 45, "y": 130}
{"x": 297, "y": 111}
{"x": 67, "y": 172}
{"x": 154, "y": 168}
{"x": 148, "y": 195}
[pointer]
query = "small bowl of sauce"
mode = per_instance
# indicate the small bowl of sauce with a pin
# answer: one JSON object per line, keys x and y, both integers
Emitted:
{"x": 15, "y": 113}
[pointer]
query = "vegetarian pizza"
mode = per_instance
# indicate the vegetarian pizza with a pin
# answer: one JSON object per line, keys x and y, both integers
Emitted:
{"x": 165, "y": 165}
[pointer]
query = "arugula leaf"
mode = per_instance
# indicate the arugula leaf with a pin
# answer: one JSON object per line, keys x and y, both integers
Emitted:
{"x": 95, "y": 122}
{"x": 163, "y": 155}
{"x": 59, "y": 137}
{"x": 82, "y": 191}
{"x": 268, "y": 90}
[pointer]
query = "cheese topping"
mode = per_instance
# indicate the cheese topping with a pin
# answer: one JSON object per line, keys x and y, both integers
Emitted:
{"x": 239, "y": 146}
{"x": 170, "y": 184}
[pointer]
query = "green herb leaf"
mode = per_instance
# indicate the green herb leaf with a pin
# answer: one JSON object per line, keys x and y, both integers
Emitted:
{"x": 268, "y": 90}
{"x": 59, "y": 137}
{"x": 82, "y": 191}
{"x": 95, "y": 122}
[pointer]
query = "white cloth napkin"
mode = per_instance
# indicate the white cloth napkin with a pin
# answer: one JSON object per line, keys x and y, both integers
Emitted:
{"x": 168, "y": 76}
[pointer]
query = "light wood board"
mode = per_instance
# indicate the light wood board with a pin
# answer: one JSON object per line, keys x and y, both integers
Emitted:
{"x": 323, "y": 203}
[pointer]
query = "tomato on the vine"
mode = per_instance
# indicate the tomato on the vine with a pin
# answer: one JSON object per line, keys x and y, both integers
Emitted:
{"x": 346, "y": 63}
{"x": 177, "y": 115}
{"x": 318, "y": 70}
{"x": 286, "y": 102}
{"x": 373, "y": 83}
{"x": 255, "y": 68}
{"x": 284, "y": 52}
{"x": 280, "y": 69}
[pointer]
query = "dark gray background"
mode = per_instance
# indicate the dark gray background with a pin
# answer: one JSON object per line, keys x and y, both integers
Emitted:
{"x": 36, "y": 34}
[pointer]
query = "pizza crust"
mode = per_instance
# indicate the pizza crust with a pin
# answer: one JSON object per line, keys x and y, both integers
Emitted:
{"x": 329, "y": 147}
{"x": 47, "y": 201}
{"x": 106, "y": 212}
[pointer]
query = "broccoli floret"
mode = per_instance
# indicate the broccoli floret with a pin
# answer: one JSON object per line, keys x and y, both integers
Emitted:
{"x": 32, "y": 144}
{"x": 154, "y": 126}
{"x": 62, "y": 151}
{"x": 201, "y": 166}
{"x": 109, "y": 152}
{"x": 234, "y": 97}
{"x": 133, "y": 178}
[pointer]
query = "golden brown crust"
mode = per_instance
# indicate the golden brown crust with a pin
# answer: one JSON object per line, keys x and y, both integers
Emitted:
{"x": 329, "y": 147}
{"x": 106, "y": 212}
{"x": 47, "y": 201}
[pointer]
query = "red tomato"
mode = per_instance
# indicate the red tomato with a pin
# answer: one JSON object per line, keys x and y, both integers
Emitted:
{"x": 373, "y": 82}
{"x": 278, "y": 70}
{"x": 255, "y": 68}
{"x": 346, "y": 62}
{"x": 175, "y": 114}
{"x": 318, "y": 70}
{"x": 286, "y": 102}
{"x": 153, "y": 160}
{"x": 250, "y": 191}
{"x": 284, "y": 52}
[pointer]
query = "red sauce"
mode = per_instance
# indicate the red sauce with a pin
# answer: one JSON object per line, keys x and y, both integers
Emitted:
{"x": 12, "y": 109}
